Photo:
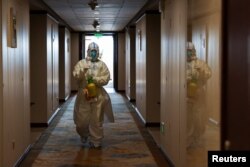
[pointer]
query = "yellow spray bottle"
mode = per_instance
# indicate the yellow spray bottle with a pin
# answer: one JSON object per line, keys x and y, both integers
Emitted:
{"x": 192, "y": 88}
{"x": 91, "y": 87}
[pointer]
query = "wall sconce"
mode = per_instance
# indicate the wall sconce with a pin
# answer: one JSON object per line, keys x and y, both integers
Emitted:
{"x": 93, "y": 4}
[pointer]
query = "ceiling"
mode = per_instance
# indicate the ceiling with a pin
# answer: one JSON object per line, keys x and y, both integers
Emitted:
{"x": 112, "y": 15}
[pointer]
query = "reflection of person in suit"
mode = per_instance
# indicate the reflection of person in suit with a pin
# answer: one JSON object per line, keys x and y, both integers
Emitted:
{"x": 198, "y": 72}
{"x": 91, "y": 104}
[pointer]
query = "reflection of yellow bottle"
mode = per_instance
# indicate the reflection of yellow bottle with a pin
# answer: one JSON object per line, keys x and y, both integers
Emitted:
{"x": 91, "y": 88}
{"x": 192, "y": 88}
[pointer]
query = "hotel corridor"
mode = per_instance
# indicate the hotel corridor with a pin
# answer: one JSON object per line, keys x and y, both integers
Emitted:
{"x": 126, "y": 142}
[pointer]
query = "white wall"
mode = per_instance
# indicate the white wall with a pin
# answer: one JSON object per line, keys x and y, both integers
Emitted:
{"x": 15, "y": 101}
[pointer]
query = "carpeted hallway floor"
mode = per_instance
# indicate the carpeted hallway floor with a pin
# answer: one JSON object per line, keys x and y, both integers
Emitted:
{"x": 126, "y": 142}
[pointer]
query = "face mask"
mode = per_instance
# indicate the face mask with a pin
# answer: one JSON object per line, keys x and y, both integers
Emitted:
{"x": 189, "y": 53}
{"x": 93, "y": 55}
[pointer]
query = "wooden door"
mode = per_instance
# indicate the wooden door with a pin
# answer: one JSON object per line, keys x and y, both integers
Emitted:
{"x": 236, "y": 75}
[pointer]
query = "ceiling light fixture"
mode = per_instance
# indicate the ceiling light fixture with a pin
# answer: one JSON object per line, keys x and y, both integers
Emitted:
{"x": 93, "y": 4}
{"x": 96, "y": 24}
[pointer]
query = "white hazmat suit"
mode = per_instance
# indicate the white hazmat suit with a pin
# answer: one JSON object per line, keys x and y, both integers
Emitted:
{"x": 89, "y": 112}
{"x": 198, "y": 72}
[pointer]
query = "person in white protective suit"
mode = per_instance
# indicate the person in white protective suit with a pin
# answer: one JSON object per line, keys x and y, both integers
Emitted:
{"x": 88, "y": 110}
{"x": 197, "y": 73}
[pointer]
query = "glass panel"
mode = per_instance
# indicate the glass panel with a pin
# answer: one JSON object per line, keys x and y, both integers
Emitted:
{"x": 203, "y": 80}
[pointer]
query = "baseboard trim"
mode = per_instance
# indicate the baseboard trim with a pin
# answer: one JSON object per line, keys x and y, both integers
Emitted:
{"x": 73, "y": 91}
{"x": 38, "y": 125}
{"x": 166, "y": 157}
{"x": 62, "y": 100}
{"x": 53, "y": 115}
{"x": 146, "y": 124}
{"x": 152, "y": 124}
{"x": 120, "y": 91}
{"x": 130, "y": 99}
{"x": 65, "y": 99}
{"x": 139, "y": 114}
{"x": 17, "y": 164}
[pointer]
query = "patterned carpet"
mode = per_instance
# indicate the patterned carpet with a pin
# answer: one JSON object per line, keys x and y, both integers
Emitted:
{"x": 126, "y": 142}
